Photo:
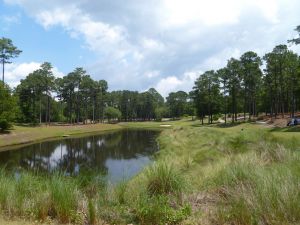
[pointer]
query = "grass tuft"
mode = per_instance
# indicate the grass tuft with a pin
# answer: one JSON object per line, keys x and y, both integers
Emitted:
{"x": 64, "y": 196}
{"x": 164, "y": 179}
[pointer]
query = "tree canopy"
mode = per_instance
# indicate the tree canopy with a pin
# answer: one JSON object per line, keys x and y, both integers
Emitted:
{"x": 245, "y": 87}
{"x": 7, "y": 51}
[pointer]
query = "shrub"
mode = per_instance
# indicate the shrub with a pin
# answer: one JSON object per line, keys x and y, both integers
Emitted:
{"x": 4, "y": 125}
{"x": 216, "y": 116}
{"x": 112, "y": 113}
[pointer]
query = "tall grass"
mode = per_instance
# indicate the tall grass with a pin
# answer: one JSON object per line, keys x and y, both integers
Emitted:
{"x": 39, "y": 196}
{"x": 260, "y": 187}
{"x": 163, "y": 178}
{"x": 64, "y": 197}
{"x": 240, "y": 175}
{"x": 153, "y": 210}
{"x": 120, "y": 191}
{"x": 91, "y": 212}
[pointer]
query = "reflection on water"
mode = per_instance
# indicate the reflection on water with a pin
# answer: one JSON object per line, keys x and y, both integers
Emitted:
{"x": 119, "y": 154}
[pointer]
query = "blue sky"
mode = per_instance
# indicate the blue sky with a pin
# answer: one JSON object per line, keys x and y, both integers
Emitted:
{"x": 165, "y": 44}
{"x": 39, "y": 44}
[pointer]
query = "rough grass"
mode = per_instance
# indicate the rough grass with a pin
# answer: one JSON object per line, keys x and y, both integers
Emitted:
{"x": 164, "y": 179}
{"x": 240, "y": 175}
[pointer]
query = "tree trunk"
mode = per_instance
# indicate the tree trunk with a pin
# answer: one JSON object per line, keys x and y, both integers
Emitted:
{"x": 3, "y": 72}
{"x": 48, "y": 107}
{"x": 40, "y": 111}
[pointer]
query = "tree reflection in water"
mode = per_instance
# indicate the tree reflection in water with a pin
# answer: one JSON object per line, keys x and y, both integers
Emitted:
{"x": 118, "y": 154}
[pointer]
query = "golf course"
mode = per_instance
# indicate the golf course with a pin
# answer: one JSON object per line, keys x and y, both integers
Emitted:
{"x": 243, "y": 173}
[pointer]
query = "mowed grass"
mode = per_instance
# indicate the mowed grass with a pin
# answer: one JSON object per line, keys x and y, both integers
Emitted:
{"x": 27, "y": 134}
{"x": 237, "y": 174}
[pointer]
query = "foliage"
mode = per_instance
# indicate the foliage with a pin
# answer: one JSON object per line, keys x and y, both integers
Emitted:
{"x": 34, "y": 93}
{"x": 177, "y": 103}
{"x": 207, "y": 96}
{"x": 7, "y": 51}
{"x": 112, "y": 113}
{"x": 161, "y": 112}
{"x": 8, "y": 107}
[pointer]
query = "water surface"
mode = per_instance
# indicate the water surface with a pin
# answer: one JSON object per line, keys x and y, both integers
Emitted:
{"x": 118, "y": 155}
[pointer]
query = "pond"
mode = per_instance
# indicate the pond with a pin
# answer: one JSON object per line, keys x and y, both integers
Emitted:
{"x": 117, "y": 155}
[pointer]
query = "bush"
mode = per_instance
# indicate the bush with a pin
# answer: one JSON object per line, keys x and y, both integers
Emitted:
{"x": 112, "y": 113}
{"x": 4, "y": 125}
{"x": 216, "y": 116}
{"x": 8, "y": 107}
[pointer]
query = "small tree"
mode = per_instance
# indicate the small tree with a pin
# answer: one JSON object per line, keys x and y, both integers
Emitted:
{"x": 160, "y": 112}
{"x": 7, "y": 107}
{"x": 112, "y": 113}
{"x": 7, "y": 51}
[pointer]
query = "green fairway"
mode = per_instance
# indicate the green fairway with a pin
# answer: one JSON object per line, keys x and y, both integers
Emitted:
{"x": 28, "y": 134}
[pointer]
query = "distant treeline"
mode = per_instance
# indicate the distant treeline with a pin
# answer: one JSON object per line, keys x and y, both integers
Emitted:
{"x": 250, "y": 84}
{"x": 243, "y": 86}
{"x": 77, "y": 98}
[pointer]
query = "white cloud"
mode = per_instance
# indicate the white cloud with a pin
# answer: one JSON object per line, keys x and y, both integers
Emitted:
{"x": 98, "y": 36}
{"x": 216, "y": 12}
{"x": 220, "y": 60}
{"x": 173, "y": 83}
{"x": 153, "y": 43}
{"x": 152, "y": 74}
{"x": 213, "y": 12}
{"x": 57, "y": 73}
{"x": 15, "y": 72}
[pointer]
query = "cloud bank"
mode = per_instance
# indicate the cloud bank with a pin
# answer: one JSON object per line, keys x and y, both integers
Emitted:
{"x": 165, "y": 43}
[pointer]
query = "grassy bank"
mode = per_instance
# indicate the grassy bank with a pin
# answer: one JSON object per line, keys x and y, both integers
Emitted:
{"x": 27, "y": 134}
{"x": 243, "y": 174}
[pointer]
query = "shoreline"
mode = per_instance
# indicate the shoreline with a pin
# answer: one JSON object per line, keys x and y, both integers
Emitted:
{"x": 56, "y": 132}
{"x": 21, "y": 136}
